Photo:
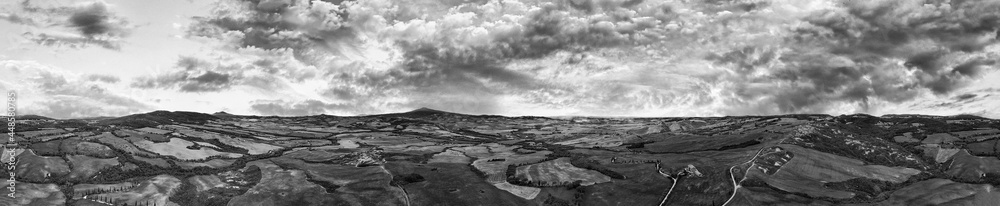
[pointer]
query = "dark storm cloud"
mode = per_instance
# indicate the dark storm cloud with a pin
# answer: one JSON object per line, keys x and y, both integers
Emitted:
{"x": 92, "y": 23}
{"x": 92, "y": 20}
{"x": 851, "y": 56}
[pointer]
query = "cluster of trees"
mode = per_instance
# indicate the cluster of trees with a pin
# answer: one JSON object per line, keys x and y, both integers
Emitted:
{"x": 116, "y": 202}
{"x": 615, "y": 160}
{"x": 108, "y": 190}
{"x": 524, "y": 181}
{"x": 636, "y": 145}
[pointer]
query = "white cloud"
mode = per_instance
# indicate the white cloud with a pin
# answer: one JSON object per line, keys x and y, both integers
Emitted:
{"x": 52, "y": 92}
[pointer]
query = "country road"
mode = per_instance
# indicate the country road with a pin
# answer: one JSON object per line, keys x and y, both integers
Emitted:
{"x": 737, "y": 186}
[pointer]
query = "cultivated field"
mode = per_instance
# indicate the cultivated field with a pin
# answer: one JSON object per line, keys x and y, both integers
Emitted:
{"x": 179, "y": 148}
{"x": 559, "y": 172}
{"x": 808, "y": 170}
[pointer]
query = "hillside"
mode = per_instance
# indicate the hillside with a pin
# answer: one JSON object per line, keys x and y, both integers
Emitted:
{"x": 432, "y": 157}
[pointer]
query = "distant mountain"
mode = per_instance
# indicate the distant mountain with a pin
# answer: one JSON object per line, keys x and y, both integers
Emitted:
{"x": 32, "y": 117}
{"x": 425, "y": 110}
{"x": 223, "y": 114}
{"x": 159, "y": 117}
{"x": 418, "y": 113}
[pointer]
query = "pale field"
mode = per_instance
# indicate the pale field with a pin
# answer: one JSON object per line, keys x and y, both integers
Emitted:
{"x": 450, "y": 156}
{"x": 32, "y": 194}
{"x": 520, "y": 191}
{"x": 560, "y": 171}
{"x": 496, "y": 169}
{"x": 206, "y": 182}
{"x": 348, "y": 143}
{"x": 178, "y": 148}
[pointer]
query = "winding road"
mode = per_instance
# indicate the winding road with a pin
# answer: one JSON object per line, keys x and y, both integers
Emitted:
{"x": 658, "y": 169}
{"x": 407, "y": 196}
{"x": 737, "y": 186}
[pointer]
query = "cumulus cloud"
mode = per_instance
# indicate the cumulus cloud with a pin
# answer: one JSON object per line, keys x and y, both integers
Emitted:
{"x": 871, "y": 50}
{"x": 593, "y": 57}
{"x": 266, "y": 70}
{"x": 75, "y": 26}
{"x": 102, "y": 78}
{"x": 47, "y": 91}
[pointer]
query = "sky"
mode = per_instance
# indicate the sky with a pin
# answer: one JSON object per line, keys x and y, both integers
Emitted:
{"x": 641, "y": 58}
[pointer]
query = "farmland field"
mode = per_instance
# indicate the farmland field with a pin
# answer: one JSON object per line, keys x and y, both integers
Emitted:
{"x": 86, "y": 166}
{"x": 29, "y": 194}
{"x": 440, "y": 158}
{"x": 559, "y": 171}
{"x": 808, "y": 170}
{"x": 179, "y": 148}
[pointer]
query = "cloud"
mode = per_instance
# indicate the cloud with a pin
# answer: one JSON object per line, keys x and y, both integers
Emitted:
{"x": 94, "y": 20}
{"x": 47, "y": 91}
{"x": 592, "y": 57}
{"x": 75, "y": 26}
{"x": 196, "y": 76}
{"x": 103, "y": 78}
{"x": 266, "y": 70}
{"x": 867, "y": 51}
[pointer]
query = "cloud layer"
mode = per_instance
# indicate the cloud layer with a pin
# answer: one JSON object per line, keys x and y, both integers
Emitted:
{"x": 589, "y": 57}
{"x": 47, "y": 91}
{"x": 69, "y": 25}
